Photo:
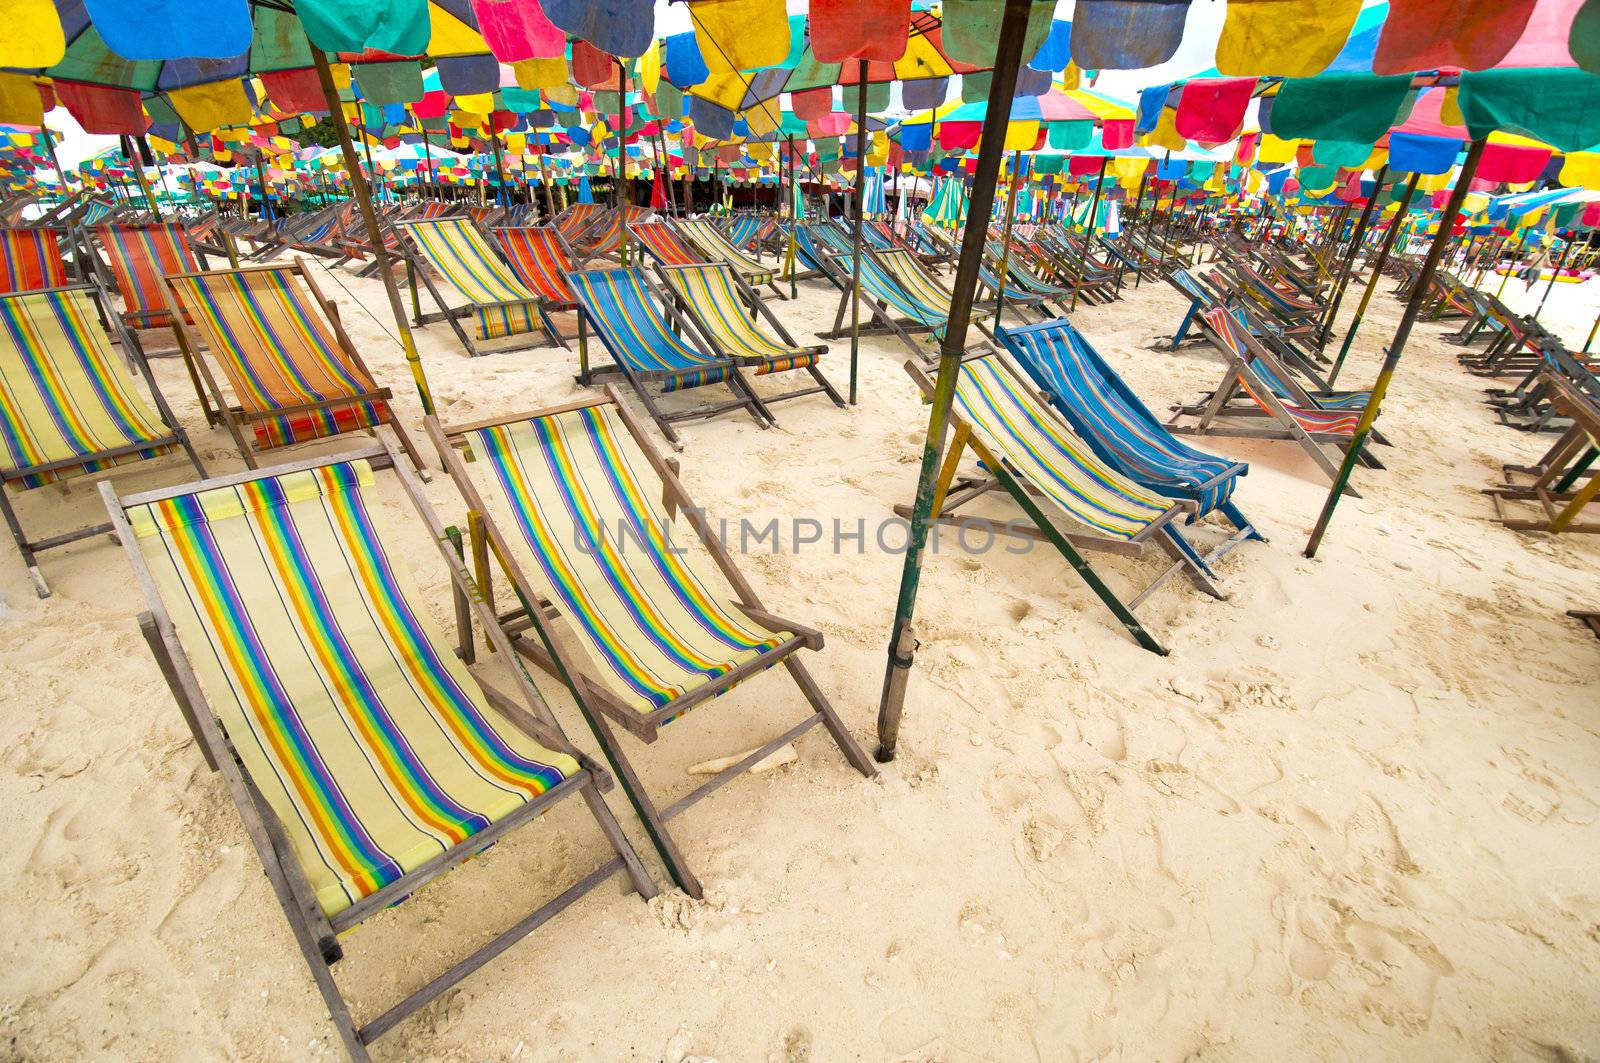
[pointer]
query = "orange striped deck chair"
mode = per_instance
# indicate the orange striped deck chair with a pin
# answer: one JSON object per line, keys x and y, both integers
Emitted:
{"x": 293, "y": 372}
{"x": 69, "y": 406}
{"x": 364, "y": 758}
{"x": 540, "y": 261}
{"x": 30, "y": 260}
{"x": 140, "y": 255}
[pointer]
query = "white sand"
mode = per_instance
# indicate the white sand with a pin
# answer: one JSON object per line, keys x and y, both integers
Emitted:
{"x": 1353, "y": 814}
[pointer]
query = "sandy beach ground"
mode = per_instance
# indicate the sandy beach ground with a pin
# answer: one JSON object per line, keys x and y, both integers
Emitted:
{"x": 1354, "y": 814}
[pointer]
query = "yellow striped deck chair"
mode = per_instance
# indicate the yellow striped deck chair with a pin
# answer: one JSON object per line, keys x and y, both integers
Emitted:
{"x": 642, "y": 624}
{"x": 456, "y": 249}
{"x": 293, "y": 372}
{"x": 715, "y": 246}
{"x": 1055, "y": 475}
{"x": 363, "y": 755}
{"x": 717, "y": 299}
{"x": 69, "y": 406}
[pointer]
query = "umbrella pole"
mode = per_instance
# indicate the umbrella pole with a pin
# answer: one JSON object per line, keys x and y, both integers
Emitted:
{"x": 544, "y": 180}
{"x": 855, "y": 238}
{"x": 624, "y": 193}
{"x": 688, "y": 177}
{"x": 137, "y": 164}
{"x": 1397, "y": 345}
{"x": 500, "y": 195}
{"x": 665, "y": 166}
{"x": 902, "y": 640}
{"x": 1005, "y": 239}
{"x": 427, "y": 154}
{"x": 1377, "y": 272}
{"x": 1139, "y": 219}
{"x": 50, "y": 149}
{"x": 1350, "y": 259}
{"x": 794, "y": 218}
{"x": 358, "y": 186}
{"x": 1516, "y": 256}
{"x": 1555, "y": 275}
{"x": 1088, "y": 231}
{"x": 1592, "y": 330}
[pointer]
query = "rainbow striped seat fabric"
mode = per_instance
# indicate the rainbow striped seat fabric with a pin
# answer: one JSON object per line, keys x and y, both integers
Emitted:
{"x": 455, "y": 247}
{"x": 664, "y": 244}
{"x": 712, "y": 293}
{"x": 30, "y": 260}
{"x": 1229, "y": 328}
{"x": 581, "y": 506}
{"x": 636, "y": 334}
{"x": 371, "y": 742}
{"x": 140, "y": 255}
{"x": 710, "y": 240}
{"x": 277, "y": 351}
{"x": 539, "y": 261}
{"x": 1039, "y": 447}
{"x": 63, "y": 393}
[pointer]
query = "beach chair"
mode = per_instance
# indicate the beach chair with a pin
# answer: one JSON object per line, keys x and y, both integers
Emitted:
{"x": 501, "y": 305}
{"x": 716, "y": 298}
{"x": 294, "y": 374}
{"x": 31, "y": 260}
{"x": 577, "y": 506}
{"x": 68, "y": 405}
{"x": 139, "y": 256}
{"x": 898, "y": 297}
{"x": 576, "y": 220}
{"x": 650, "y": 345}
{"x": 539, "y": 259}
{"x": 1106, "y": 414}
{"x": 1561, "y": 489}
{"x": 1298, "y": 416}
{"x": 715, "y": 248}
{"x": 1200, "y": 299}
{"x": 1027, "y": 449}
{"x": 364, "y": 759}
{"x": 664, "y": 245}
{"x": 604, "y": 238}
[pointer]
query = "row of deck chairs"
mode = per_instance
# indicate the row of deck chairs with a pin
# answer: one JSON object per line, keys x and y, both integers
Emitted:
{"x": 362, "y": 750}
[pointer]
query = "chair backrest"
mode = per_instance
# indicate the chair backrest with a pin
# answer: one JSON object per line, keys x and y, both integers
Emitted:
{"x": 619, "y": 304}
{"x": 368, "y": 738}
{"x": 714, "y": 244}
{"x": 878, "y": 282}
{"x": 743, "y": 229}
{"x": 140, "y": 255}
{"x": 909, "y": 272}
{"x": 576, "y": 490}
{"x": 30, "y": 260}
{"x": 576, "y": 218}
{"x": 1034, "y": 442}
{"x": 63, "y": 392}
{"x": 277, "y": 349}
{"x": 539, "y": 260}
{"x": 664, "y": 244}
{"x": 456, "y": 248}
{"x": 712, "y": 291}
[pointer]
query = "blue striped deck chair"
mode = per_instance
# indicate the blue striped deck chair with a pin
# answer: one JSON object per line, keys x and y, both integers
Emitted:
{"x": 650, "y": 344}
{"x": 69, "y": 406}
{"x": 1199, "y": 300}
{"x": 1105, "y": 412}
{"x": 496, "y": 298}
{"x": 1022, "y": 278}
{"x": 364, "y": 757}
{"x": 742, "y": 230}
{"x": 898, "y": 297}
{"x": 1074, "y": 500}
{"x": 640, "y": 620}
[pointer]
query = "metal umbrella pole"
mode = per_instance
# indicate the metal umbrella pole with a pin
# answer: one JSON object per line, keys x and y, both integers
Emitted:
{"x": 855, "y": 237}
{"x": 1088, "y": 230}
{"x": 1397, "y": 346}
{"x": 1372, "y": 281}
{"x": 902, "y": 639}
{"x": 358, "y": 186}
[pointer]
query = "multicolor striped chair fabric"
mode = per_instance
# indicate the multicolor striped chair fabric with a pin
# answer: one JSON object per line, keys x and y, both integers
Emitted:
{"x": 277, "y": 350}
{"x": 140, "y": 255}
{"x": 716, "y": 247}
{"x": 743, "y": 230}
{"x": 64, "y": 394}
{"x": 1228, "y": 328}
{"x": 664, "y": 244}
{"x": 1112, "y": 419}
{"x": 712, "y": 292}
{"x": 1041, "y": 448}
{"x": 625, "y": 314}
{"x": 925, "y": 304}
{"x": 456, "y": 248}
{"x": 582, "y": 506}
{"x": 539, "y": 261}
{"x": 370, "y": 741}
{"x": 30, "y": 260}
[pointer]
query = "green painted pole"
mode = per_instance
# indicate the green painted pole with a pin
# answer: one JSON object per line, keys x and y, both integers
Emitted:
{"x": 1397, "y": 346}
{"x": 1350, "y": 259}
{"x": 1377, "y": 272}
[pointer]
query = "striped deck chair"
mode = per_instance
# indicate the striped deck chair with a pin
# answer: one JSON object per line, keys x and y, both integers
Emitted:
{"x": 715, "y": 247}
{"x": 502, "y": 305}
{"x": 576, "y": 220}
{"x": 1199, "y": 297}
{"x": 897, "y": 297}
{"x": 1035, "y": 456}
{"x": 1107, "y": 415}
{"x": 31, "y": 260}
{"x": 605, "y": 237}
{"x": 634, "y": 321}
{"x": 717, "y": 299}
{"x": 640, "y": 624}
{"x": 1307, "y": 424}
{"x": 363, "y": 756}
{"x": 139, "y": 256}
{"x": 294, "y": 374}
{"x": 663, "y": 244}
{"x": 68, "y": 405}
{"x": 539, "y": 259}
{"x": 743, "y": 229}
